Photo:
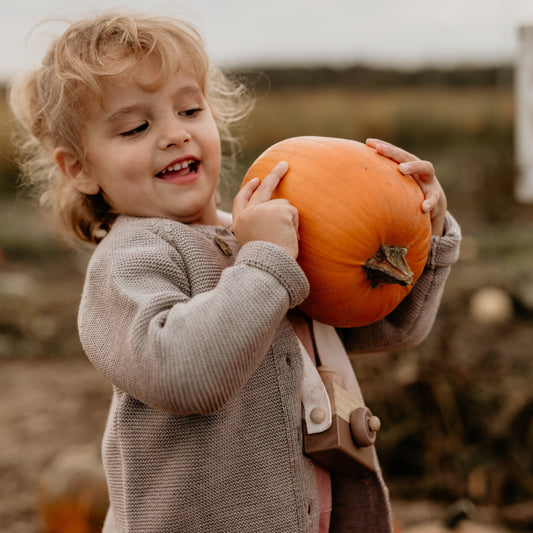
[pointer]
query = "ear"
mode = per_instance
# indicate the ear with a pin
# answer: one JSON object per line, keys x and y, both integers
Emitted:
{"x": 74, "y": 171}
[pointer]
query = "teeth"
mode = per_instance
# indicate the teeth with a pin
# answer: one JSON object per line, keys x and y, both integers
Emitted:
{"x": 178, "y": 166}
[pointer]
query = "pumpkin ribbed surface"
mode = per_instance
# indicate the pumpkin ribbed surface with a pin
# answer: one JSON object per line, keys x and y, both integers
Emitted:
{"x": 364, "y": 239}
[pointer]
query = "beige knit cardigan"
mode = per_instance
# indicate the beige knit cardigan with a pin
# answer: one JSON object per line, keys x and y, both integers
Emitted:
{"x": 204, "y": 432}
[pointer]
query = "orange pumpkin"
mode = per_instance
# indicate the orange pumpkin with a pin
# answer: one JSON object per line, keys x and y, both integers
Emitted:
{"x": 364, "y": 239}
{"x": 73, "y": 496}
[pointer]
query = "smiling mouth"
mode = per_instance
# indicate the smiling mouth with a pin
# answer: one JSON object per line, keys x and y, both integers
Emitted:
{"x": 182, "y": 168}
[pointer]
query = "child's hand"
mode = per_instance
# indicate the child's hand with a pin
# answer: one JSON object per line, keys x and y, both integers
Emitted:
{"x": 256, "y": 217}
{"x": 423, "y": 172}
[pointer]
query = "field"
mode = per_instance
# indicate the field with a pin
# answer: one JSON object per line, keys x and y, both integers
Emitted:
{"x": 456, "y": 411}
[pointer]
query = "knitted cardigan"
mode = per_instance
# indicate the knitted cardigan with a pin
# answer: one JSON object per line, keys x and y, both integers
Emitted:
{"x": 204, "y": 432}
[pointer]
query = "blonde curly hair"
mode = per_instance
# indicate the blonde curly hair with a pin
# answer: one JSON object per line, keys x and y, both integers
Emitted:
{"x": 50, "y": 104}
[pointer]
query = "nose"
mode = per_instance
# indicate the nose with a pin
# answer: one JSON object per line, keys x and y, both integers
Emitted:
{"x": 174, "y": 134}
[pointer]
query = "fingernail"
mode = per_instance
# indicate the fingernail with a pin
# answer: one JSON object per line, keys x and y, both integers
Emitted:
{"x": 404, "y": 168}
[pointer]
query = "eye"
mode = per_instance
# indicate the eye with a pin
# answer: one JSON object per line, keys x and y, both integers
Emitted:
{"x": 190, "y": 112}
{"x": 135, "y": 131}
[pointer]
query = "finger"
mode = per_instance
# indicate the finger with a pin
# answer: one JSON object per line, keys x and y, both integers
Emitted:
{"x": 242, "y": 198}
{"x": 372, "y": 142}
{"x": 296, "y": 222}
{"x": 281, "y": 202}
{"x": 283, "y": 206}
{"x": 391, "y": 151}
{"x": 263, "y": 193}
{"x": 421, "y": 169}
{"x": 429, "y": 203}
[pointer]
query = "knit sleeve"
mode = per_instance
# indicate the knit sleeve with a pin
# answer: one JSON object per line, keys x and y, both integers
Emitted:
{"x": 183, "y": 353}
{"x": 412, "y": 320}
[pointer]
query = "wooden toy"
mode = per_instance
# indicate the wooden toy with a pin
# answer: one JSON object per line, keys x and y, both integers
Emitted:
{"x": 347, "y": 446}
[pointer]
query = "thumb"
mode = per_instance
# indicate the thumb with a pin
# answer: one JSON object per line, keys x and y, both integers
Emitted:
{"x": 242, "y": 198}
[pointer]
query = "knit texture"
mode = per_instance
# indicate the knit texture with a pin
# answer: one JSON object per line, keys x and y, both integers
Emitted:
{"x": 204, "y": 432}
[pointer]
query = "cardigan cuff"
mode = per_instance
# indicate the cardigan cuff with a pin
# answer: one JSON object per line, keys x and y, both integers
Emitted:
{"x": 444, "y": 251}
{"x": 273, "y": 259}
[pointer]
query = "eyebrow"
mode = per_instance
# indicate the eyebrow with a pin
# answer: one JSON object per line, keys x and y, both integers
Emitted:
{"x": 123, "y": 112}
{"x": 129, "y": 109}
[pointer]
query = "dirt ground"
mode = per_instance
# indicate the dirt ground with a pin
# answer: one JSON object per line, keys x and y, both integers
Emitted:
{"x": 459, "y": 408}
{"x": 51, "y": 406}
{"x": 47, "y": 406}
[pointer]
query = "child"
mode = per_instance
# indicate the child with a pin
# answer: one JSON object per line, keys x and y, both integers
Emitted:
{"x": 188, "y": 320}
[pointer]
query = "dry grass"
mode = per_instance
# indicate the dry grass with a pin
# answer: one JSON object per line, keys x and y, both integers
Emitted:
{"x": 437, "y": 115}
{"x": 466, "y": 132}
{"x": 5, "y": 119}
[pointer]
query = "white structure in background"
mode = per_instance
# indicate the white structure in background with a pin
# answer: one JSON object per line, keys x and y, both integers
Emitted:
{"x": 524, "y": 116}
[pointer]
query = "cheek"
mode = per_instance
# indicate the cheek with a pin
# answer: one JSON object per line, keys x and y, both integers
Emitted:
{"x": 120, "y": 178}
{"x": 215, "y": 148}
{"x": 111, "y": 159}
{"x": 130, "y": 164}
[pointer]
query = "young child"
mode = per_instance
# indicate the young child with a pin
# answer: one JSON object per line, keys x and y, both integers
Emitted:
{"x": 125, "y": 121}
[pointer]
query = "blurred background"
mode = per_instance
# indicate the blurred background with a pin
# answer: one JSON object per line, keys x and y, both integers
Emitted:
{"x": 437, "y": 78}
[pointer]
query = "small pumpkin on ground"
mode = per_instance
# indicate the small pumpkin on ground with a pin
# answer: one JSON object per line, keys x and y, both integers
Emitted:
{"x": 364, "y": 239}
{"x": 73, "y": 496}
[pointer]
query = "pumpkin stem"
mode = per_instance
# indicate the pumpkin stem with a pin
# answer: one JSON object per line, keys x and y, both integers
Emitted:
{"x": 389, "y": 266}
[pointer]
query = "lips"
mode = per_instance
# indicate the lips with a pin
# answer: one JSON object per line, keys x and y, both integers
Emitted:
{"x": 182, "y": 167}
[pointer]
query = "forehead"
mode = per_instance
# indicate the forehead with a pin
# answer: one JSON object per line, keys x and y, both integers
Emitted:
{"x": 150, "y": 74}
{"x": 145, "y": 77}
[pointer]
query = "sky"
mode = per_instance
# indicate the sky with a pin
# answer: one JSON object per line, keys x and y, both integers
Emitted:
{"x": 401, "y": 33}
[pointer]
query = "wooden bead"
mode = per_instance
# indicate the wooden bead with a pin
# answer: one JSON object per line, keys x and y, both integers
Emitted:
{"x": 374, "y": 423}
{"x": 318, "y": 415}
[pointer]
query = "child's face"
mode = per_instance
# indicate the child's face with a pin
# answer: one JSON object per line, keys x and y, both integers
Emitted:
{"x": 154, "y": 153}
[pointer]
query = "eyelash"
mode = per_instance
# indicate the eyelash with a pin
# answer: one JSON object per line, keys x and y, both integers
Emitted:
{"x": 134, "y": 131}
{"x": 139, "y": 129}
{"x": 190, "y": 112}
